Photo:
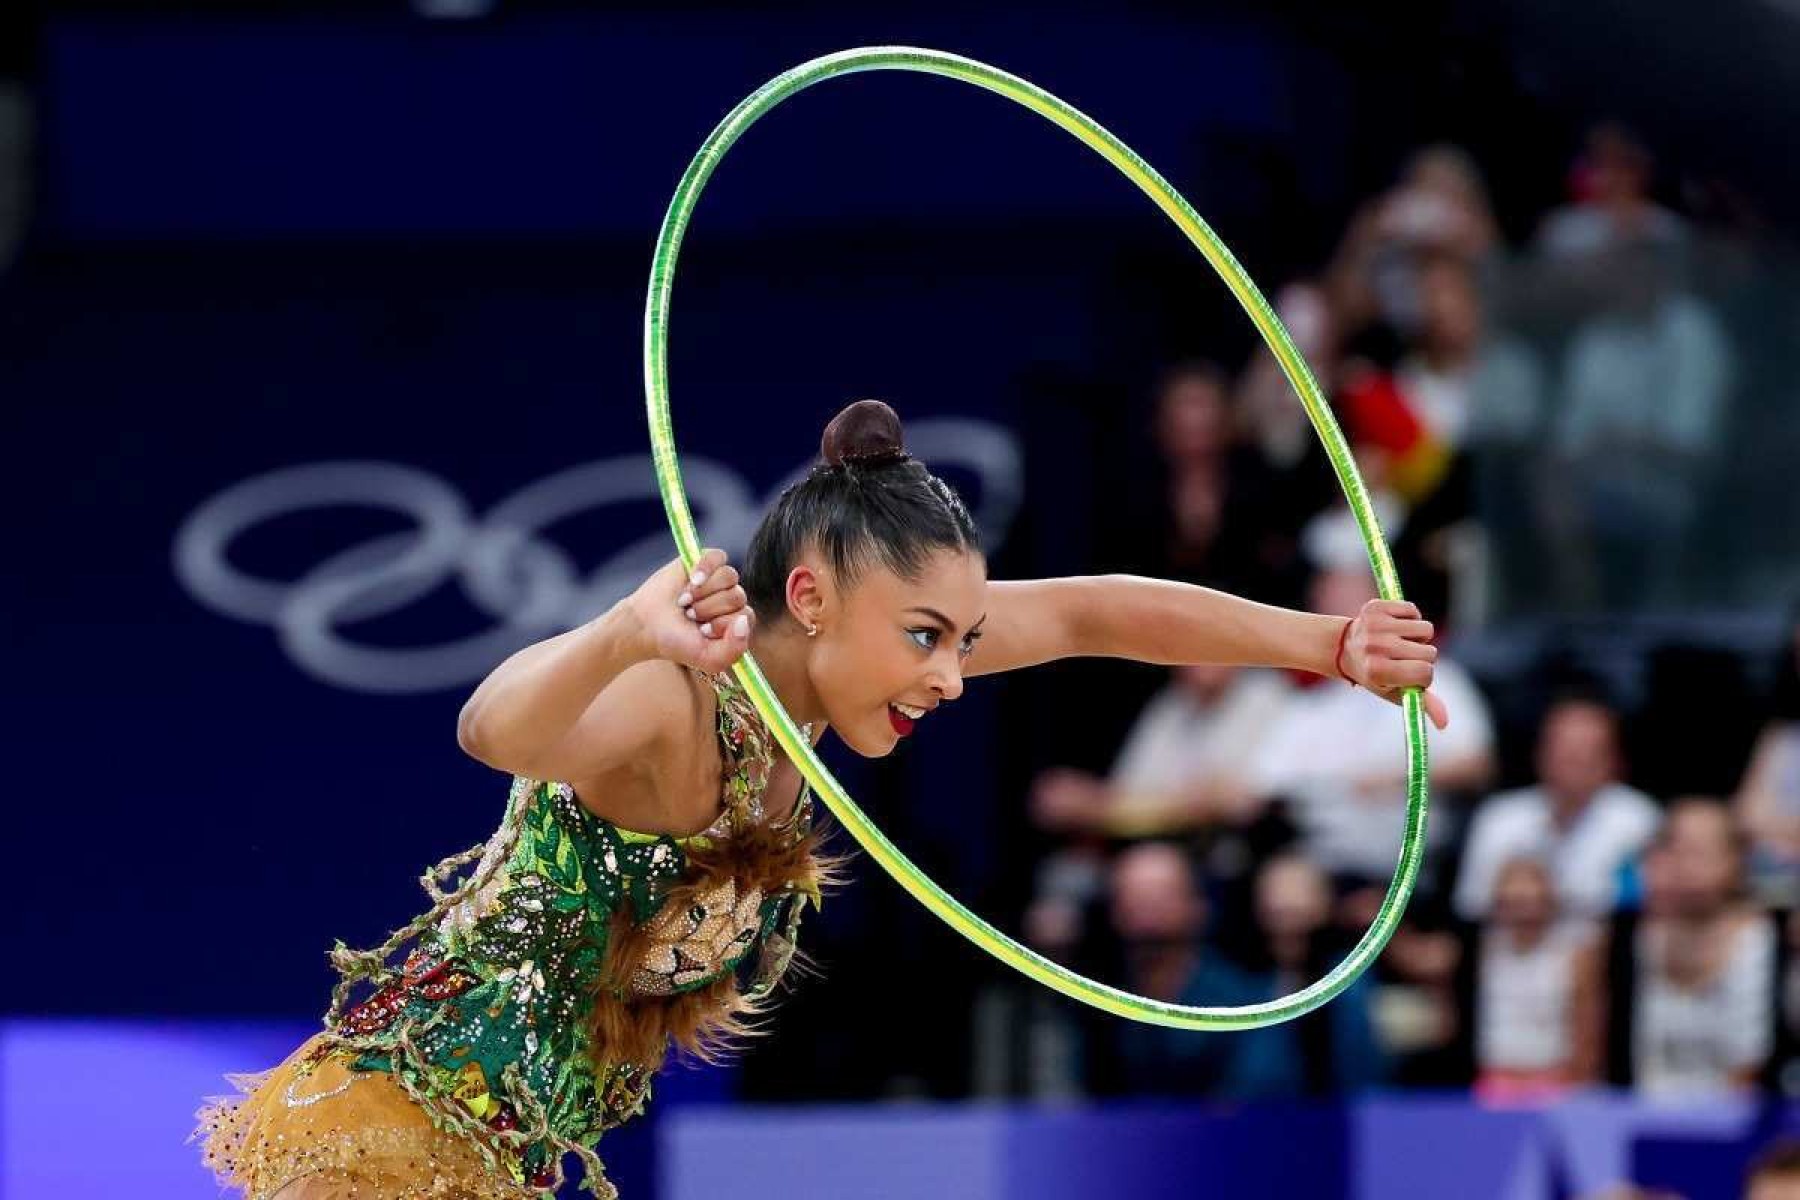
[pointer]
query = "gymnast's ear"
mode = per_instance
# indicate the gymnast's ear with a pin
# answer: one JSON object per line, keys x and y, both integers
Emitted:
{"x": 808, "y": 595}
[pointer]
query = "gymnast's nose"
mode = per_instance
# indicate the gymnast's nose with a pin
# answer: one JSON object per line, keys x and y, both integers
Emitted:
{"x": 947, "y": 683}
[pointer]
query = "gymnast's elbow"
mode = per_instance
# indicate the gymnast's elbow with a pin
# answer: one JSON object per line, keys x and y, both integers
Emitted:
{"x": 505, "y": 750}
{"x": 472, "y": 736}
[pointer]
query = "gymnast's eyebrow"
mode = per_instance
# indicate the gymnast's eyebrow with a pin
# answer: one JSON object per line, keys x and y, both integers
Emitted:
{"x": 949, "y": 626}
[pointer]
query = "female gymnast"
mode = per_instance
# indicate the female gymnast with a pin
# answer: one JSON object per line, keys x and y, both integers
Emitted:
{"x": 644, "y": 889}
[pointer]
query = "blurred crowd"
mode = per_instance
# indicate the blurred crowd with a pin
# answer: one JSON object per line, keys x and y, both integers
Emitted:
{"x": 1594, "y": 926}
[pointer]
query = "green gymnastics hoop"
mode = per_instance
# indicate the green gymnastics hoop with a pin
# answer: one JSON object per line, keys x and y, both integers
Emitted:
{"x": 668, "y": 476}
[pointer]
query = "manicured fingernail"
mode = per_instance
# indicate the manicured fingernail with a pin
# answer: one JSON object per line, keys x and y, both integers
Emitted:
{"x": 685, "y": 599}
{"x": 741, "y": 626}
{"x": 697, "y": 578}
{"x": 690, "y": 613}
{"x": 706, "y": 628}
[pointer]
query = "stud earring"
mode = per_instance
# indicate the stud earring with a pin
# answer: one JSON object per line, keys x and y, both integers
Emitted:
{"x": 812, "y": 631}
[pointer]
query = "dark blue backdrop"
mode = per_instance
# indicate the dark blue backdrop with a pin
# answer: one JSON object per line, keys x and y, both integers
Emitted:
{"x": 278, "y": 242}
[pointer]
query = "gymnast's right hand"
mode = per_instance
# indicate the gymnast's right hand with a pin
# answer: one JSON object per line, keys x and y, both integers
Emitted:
{"x": 701, "y": 618}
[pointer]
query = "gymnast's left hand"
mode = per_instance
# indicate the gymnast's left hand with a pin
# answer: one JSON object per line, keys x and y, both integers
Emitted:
{"x": 1388, "y": 649}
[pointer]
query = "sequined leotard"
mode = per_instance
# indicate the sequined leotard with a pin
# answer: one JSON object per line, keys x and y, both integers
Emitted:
{"x": 484, "y": 1027}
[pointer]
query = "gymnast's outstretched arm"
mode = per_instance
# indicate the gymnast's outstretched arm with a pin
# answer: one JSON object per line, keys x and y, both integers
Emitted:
{"x": 1386, "y": 648}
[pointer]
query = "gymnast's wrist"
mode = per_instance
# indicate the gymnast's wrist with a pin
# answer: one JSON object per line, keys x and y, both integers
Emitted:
{"x": 626, "y": 632}
{"x": 1338, "y": 665}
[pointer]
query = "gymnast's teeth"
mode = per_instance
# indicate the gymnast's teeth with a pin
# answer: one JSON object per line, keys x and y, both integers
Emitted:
{"x": 909, "y": 712}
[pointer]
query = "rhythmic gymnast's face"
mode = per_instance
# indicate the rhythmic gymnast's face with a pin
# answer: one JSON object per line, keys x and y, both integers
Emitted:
{"x": 890, "y": 650}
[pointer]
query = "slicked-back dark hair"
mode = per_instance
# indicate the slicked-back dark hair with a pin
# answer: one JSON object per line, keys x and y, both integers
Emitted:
{"x": 867, "y": 503}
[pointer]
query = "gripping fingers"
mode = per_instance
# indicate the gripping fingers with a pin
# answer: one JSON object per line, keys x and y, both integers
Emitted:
{"x": 704, "y": 566}
{"x": 711, "y": 574}
{"x": 1401, "y": 648}
{"x": 718, "y": 604}
{"x": 726, "y": 623}
{"x": 1418, "y": 631}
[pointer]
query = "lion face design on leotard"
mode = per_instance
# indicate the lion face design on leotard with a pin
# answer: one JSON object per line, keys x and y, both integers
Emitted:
{"x": 692, "y": 943}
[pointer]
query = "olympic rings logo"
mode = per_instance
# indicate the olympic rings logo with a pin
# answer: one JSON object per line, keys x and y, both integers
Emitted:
{"x": 526, "y": 584}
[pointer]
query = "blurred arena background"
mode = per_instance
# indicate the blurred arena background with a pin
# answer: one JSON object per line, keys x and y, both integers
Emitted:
{"x": 320, "y": 370}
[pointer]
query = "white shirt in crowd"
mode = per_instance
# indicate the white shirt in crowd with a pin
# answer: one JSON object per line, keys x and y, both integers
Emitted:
{"x": 1176, "y": 740}
{"x": 1692, "y": 1041}
{"x": 1584, "y": 859}
{"x": 1330, "y": 735}
{"x": 1525, "y": 999}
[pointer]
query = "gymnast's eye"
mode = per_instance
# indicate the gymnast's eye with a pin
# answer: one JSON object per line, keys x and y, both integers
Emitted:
{"x": 927, "y": 639}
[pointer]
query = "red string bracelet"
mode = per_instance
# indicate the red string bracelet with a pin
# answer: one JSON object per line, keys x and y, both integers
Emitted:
{"x": 1338, "y": 658}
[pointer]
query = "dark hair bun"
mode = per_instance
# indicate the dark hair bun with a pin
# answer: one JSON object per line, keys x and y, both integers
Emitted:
{"x": 865, "y": 433}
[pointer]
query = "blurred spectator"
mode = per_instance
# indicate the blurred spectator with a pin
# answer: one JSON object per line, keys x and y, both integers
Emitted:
{"x": 1226, "y": 518}
{"x": 1429, "y": 409}
{"x": 1644, "y": 382}
{"x": 1456, "y": 390}
{"x": 1480, "y": 394}
{"x": 1702, "y": 1010}
{"x": 1336, "y": 757}
{"x": 1334, "y": 1050}
{"x": 1193, "y": 419}
{"x": 1440, "y": 205}
{"x": 1579, "y": 818}
{"x": 1159, "y": 915}
{"x": 1181, "y": 768}
{"x": 1768, "y": 798}
{"x": 1610, "y": 185}
{"x": 1467, "y": 384}
{"x": 1183, "y": 762}
{"x": 1537, "y": 1002}
{"x": 1194, "y": 434}
{"x": 1642, "y": 394}
{"x": 1333, "y": 766}
{"x": 1270, "y": 415}
{"x": 1293, "y": 905}
{"x": 1775, "y": 1175}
